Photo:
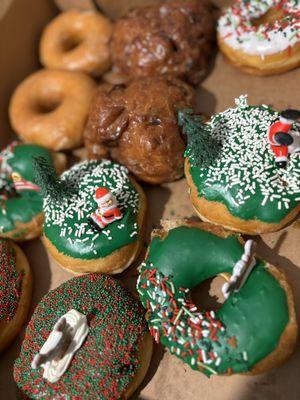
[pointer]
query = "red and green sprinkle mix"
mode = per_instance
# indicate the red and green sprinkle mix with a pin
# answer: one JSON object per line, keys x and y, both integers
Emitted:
{"x": 237, "y": 29}
{"x": 10, "y": 282}
{"x": 198, "y": 338}
{"x": 108, "y": 360}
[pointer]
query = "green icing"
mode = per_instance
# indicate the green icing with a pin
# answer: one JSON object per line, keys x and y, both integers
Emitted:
{"x": 66, "y": 220}
{"x": 244, "y": 176}
{"x": 28, "y": 203}
{"x": 256, "y": 316}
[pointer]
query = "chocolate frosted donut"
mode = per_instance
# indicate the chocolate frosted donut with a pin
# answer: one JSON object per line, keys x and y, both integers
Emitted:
{"x": 136, "y": 125}
{"x": 174, "y": 38}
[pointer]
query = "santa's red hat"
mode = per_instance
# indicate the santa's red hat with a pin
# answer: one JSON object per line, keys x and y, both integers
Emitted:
{"x": 102, "y": 195}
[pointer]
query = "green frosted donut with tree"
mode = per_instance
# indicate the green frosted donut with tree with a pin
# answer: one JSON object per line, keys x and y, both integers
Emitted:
{"x": 243, "y": 166}
{"x": 21, "y": 202}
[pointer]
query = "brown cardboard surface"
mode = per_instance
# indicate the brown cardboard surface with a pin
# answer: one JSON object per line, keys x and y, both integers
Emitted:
{"x": 21, "y": 22}
{"x": 168, "y": 378}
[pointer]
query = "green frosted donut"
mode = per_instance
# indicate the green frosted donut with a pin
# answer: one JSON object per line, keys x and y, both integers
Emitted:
{"x": 230, "y": 162}
{"x": 244, "y": 331}
{"x": 69, "y": 204}
{"x": 19, "y": 207}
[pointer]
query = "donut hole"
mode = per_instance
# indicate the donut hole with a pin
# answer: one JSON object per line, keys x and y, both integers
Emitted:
{"x": 208, "y": 294}
{"x": 271, "y": 16}
{"x": 70, "y": 43}
{"x": 46, "y": 106}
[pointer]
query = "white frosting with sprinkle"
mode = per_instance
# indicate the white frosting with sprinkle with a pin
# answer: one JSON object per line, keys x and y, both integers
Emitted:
{"x": 237, "y": 30}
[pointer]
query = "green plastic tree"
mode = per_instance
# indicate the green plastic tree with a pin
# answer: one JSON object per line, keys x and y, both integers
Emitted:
{"x": 50, "y": 184}
{"x": 202, "y": 147}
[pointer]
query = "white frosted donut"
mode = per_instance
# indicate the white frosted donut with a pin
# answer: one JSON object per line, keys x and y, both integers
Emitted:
{"x": 261, "y": 36}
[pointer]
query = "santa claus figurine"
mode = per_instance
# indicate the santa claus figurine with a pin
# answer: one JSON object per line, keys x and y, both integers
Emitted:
{"x": 107, "y": 211}
{"x": 280, "y": 138}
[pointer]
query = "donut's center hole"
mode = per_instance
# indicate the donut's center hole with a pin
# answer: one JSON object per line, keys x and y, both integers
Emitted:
{"x": 208, "y": 294}
{"x": 271, "y": 16}
{"x": 47, "y": 106}
{"x": 70, "y": 43}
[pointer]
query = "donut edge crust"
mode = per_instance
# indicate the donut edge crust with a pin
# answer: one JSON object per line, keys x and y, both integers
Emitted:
{"x": 114, "y": 263}
{"x": 145, "y": 355}
{"x": 217, "y": 213}
{"x": 253, "y": 64}
{"x": 288, "y": 339}
{"x": 10, "y": 329}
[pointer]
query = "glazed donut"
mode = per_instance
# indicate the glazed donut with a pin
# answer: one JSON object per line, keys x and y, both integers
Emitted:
{"x": 253, "y": 331}
{"x": 78, "y": 41}
{"x": 94, "y": 216}
{"x": 135, "y": 124}
{"x": 15, "y": 291}
{"x": 174, "y": 38}
{"x": 50, "y": 108}
{"x": 114, "y": 346}
{"x": 261, "y": 37}
{"x": 236, "y": 176}
{"x": 21, "y": 212}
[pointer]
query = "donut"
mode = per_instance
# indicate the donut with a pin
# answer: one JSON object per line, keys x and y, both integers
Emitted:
{"x": 50, "y": 108}
{"x": 21, "y": 211}
{"x": 15, "y": 291}
{"x": 174, "y": 38}
{"x": 261, "y": 37}
{"x": 77, "y": 41}
{"x": 112, "y": 356}
{"x": 254, "y": 330}
{"x": 235, "y": 174}
{"x": 135, "y": 124}
{"x": 94, "y": 216}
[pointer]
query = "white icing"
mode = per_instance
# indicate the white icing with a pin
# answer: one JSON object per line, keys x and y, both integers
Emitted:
{"x": 236, "y": 29}
{"x": 53, "y": 370}
{"x": 241, "y": 101}
{"x": 295, "y": 146}
{"x": 240, "y": 268}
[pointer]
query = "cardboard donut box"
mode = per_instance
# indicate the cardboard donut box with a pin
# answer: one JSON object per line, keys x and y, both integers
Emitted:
{"x": 21, "y": 23}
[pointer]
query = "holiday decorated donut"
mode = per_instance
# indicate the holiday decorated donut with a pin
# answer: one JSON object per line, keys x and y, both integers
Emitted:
{"x": 86, "y": 339}
{"x": 243, "y": 167}
{"x": 254, "y": 330}
{"x": 50, "y": 108}
{"x": 261, "y": 37}
{"x": 78, "y": 41}
{"x": 21, "y": 212}
{"x": 94, "y": 216}
{"x": 15, "y": 291}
